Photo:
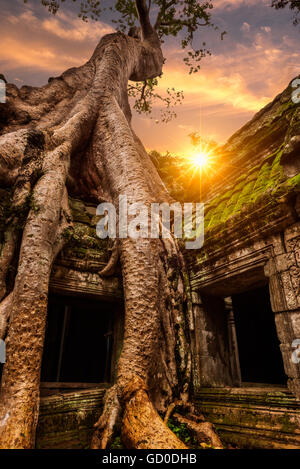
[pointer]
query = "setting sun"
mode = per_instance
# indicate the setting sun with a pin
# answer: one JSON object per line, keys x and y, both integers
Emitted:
{"x": 200, "y": 162}
{"x": 200, "y": 159}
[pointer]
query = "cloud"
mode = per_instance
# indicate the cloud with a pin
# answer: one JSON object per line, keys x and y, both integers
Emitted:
{"x": 266, "y": 29}
{"x": 17, "y": 54}
{"x": 233, "y": 4}
{"x": 75, "y": 29}
{"x": 242, "y": 76}
{"x": 47, "y": 43}
{"x": 213, "y": 86}
{"x": 245, "y": 27}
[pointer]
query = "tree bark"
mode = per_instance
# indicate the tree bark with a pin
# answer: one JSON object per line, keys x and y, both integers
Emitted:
{"x": 75, "y": 134}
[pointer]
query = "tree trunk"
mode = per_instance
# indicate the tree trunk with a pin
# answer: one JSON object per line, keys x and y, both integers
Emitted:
{"x": 74, "y": 134}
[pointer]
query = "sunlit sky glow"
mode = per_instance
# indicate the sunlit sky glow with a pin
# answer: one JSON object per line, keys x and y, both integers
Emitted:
{"x": 255, "y": 61}
{"x": 200, "y": 159}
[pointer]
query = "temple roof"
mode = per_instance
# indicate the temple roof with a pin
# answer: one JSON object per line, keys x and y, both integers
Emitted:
{"x": 258, "y": 171}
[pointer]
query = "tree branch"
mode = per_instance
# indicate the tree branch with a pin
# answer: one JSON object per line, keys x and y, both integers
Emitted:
{"x": 143, "y": 14}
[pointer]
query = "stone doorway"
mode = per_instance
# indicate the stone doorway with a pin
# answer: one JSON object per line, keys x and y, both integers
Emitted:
{"x": 78, "y": 345}
{"x": 258, "y": 345}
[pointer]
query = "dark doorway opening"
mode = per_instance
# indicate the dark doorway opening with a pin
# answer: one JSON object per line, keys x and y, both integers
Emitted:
{"x": 258, "y": 344}
{"x": 78, "y": 342}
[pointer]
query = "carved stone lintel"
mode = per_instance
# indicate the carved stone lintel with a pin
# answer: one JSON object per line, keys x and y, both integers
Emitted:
{"x": 73, "y": 282}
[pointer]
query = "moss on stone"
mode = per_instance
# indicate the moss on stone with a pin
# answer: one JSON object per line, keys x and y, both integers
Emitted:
{"x": 83, "y": 243}
{"x": 79, "y": 211}
{"x": 262, "y": 186}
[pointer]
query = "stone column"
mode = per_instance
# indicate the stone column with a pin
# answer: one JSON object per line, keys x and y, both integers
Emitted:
{"x": 283, "y": 271}
{"x": 211, "y": 362}
{"x": 196, "y": 351}
{"x": 233, "y": 344}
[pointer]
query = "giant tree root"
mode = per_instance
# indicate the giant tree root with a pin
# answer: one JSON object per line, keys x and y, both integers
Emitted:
{"x": 204, "y": 431}
{"x": 5, "y": 309}
{"x": 141, "y": 427}
{"x": 105, "y": 426}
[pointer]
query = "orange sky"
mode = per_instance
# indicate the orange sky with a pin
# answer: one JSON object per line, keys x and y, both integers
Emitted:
{"x": 254, "y": 62}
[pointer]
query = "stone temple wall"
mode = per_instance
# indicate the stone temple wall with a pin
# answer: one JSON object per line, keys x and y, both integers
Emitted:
{"x": 273, "y": 260}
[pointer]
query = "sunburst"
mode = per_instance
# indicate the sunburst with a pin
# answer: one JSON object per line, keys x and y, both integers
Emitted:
{"x": 201, "y": 158}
